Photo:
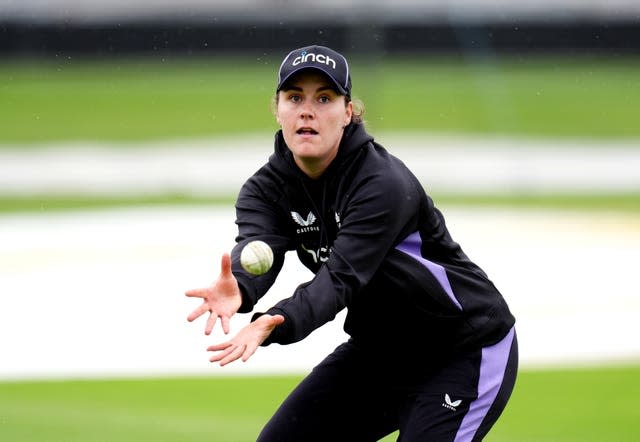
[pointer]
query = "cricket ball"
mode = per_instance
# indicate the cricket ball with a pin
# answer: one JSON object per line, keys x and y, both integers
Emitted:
{"x": 256, "y": 257}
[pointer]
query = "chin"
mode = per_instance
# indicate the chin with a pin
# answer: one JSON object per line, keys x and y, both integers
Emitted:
{"x": 306, "y": 156}
{"x": 305, "y": 150}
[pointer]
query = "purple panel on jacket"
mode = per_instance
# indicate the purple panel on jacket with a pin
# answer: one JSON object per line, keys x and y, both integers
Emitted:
{"x": 412, "y": 246}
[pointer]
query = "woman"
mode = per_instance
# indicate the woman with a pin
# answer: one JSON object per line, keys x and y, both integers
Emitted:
{"x": 432, "y": 349}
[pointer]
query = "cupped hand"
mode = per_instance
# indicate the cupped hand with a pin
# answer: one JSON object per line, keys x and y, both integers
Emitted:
{"x": 247, "y": 341}
{"x": 222, "y": 299}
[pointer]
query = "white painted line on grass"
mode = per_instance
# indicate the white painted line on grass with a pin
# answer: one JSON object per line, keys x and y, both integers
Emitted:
{"x": 101, "y": 293}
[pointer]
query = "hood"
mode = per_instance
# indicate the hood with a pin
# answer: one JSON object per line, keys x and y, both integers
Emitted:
{"x": 355, "y": 137}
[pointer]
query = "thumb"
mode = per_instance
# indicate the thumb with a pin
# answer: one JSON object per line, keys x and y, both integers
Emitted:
{"x": 225, "y": 266}
{"x": 277, "y": 319}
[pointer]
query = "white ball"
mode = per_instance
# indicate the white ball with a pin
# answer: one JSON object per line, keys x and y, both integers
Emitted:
{"x": 256, "y": 257}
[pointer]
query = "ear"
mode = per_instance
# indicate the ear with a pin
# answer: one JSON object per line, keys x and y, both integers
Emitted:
{"x": 274, "y": 109}
{"x": 349, "y": 113}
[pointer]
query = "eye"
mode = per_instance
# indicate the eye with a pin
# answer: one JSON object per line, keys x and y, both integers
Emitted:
{"x": 295, "y": 98}
{"x": 324, "y": 99}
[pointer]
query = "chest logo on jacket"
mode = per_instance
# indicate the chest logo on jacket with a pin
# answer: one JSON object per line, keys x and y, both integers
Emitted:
{"x": 306, "y": 225}
{"x": 319, "y": 256}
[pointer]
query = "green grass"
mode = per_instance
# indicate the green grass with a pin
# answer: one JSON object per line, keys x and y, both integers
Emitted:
{"x": 132, "y": 99}
{"x": 523, "y": 97}
{"x": 220, "y": 409}
{"x": 617, "y": 202}
{"x": 51, "y": 203}
{"x": 143, "y": 99}
{"x": 581, "y": 405}
{"x": 629, "y": 202}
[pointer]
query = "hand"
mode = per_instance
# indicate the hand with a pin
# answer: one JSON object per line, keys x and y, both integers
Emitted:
{"x": 222, "y": 299}
{"x": 247, "y": 341}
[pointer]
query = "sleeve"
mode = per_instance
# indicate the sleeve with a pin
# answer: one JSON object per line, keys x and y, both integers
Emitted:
{"x": 379, "y": 211}
{"x": 257, "y": 218}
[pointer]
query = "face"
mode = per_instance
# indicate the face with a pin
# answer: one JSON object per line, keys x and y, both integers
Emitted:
{"x": 312, "y": 116}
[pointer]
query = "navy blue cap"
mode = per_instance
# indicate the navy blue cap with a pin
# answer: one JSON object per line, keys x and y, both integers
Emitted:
{"x": 317, "y": 57}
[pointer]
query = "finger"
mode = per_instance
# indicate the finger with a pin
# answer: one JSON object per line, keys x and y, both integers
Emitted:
{"x": 224, "y": 351}
{"x": 198, "y": 312}
{"x": 218, "y": 347}
{"x": 196, "y": 293}
{"x": 226, "y": 325}
{"x": 277, "y": 319}
{"x": 217, "y": 357}
{"x": 221, "y": 355}
{"x": 248, "y": 352}
{"x": 225, "y": 265}
{"x": 211, "y": 321}
{"x": 235, "y": 354}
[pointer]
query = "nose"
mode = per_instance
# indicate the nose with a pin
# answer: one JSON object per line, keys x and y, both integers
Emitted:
{"x": 306, "y": 111}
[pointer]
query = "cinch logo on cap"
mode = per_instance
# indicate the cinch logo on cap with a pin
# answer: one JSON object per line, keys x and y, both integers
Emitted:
{"x": 322, "y": 58}
{"x": 316, "y": 58}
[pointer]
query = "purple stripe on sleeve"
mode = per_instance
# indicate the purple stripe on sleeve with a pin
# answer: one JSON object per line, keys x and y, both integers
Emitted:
{"x": 492, "y": 368}
{"x": 411, "y": 246}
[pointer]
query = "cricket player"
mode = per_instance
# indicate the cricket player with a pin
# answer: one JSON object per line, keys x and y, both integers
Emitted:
{"x": 432, "y": 349}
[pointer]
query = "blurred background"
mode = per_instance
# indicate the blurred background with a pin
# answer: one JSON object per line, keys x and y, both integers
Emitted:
{"x": 127, "y": 128}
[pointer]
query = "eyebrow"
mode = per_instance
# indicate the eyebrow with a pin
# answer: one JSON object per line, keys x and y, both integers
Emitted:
{"x": 299, "y": 89}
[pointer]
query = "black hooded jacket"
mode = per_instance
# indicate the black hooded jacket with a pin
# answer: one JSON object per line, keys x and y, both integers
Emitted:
{"x": 377, "y": 246}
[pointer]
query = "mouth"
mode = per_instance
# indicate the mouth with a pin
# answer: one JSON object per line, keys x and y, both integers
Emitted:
{"x": 306, "y": 131}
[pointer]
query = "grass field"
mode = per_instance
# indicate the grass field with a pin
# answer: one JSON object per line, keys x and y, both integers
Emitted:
{"x": 624, "y": 202}
{"x": 44, "y": 101}
{"x": 142, "y": 99}
{"x": 578, "y": 405}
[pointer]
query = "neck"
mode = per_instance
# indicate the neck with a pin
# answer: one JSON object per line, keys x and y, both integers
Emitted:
{"x": 313, "y": 168}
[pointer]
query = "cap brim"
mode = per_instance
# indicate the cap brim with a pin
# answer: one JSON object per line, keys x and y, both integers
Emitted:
{"x": 339, "y": 88}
